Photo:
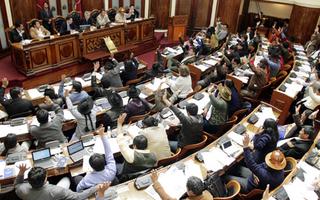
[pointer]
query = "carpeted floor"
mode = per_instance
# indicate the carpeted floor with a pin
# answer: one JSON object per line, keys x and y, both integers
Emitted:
{"x": 8, "y": 70}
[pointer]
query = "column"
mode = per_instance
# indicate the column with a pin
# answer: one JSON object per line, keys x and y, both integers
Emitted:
{"x": 173, "y": 8}
{"x": 146, "y": 8}
{"x": 9, "y": 14}
{"x": 213, "y": 12}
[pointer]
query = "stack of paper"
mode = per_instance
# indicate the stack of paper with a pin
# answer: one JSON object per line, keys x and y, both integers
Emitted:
{"x": 154, "y": 85}
{"x": 18, "y": 130}
{"x": 35, "y": 94}
{"x": 202, "y": 67}
{"x": 211, "y": 62}
{"x": 192, "y": 169}
{"x": 266, "y": 113}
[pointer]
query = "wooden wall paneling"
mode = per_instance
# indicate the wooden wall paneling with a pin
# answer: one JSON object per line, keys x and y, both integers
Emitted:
{"x": 160, "y": 10}
{"x": 202, "y": 15}
{"x": 120, "y": 3}
{"x": 184, "y": 7}
{"x": 92, "y": 4}
{"x": 303, "y": 22}
{"x": 70, "y": 6}
{"x": 143, "y": 3}
{"x": 228, "y": 11}
{"x": 59, "y": 8}
{"x": 19, "y": 8}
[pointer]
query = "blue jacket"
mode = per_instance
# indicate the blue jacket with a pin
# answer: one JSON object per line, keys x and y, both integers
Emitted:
{"x": 262, "y": 145}
{"x": 266, "y": 175}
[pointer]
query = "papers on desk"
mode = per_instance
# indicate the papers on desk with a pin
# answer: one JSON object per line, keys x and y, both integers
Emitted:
{"x": 83, "y": 82}
{"x": 216, "y": 159}
{"x": 173, "y": 182}
{"x": 18, "y": 130}
{"x": 98, "y": 147}
{"x": 293, "y": 89}
{"x": 26, "y": 42}
{"x": 133, "y": 130}
{"x": 298, "y": 47}
{"x": 192, "y": 169}
{"x": 266, "y": 113}
{"x": 211, "y": 62}
{"x": 3, "y": 114}
{"x": 85, "y": 164}
{"x": 35, "y": 94}
{"x": 202, "y": 103}
{"x": 202, "y": 67}
{"x": 154, "y": 85}
{"x": 7, "y": 171}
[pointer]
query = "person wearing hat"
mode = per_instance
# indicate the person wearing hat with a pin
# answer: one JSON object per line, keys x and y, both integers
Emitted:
{"x": 191, "y": 125}
{"x": 121, "y": 15}
{"x": 258, "y": 80}
{"x": 155, "y": 132}
{"x": 218, "y": 107}
{"x": 259, "y": 175}
{"x": 99, "y": 91}
{"x": 136, "y": 105}
{"x": 77, "y": 93}
{"x": 112, "y": 72}
{"x": 85, "y": 114}
{"x": 296, "y": 147}
{"x": 111, "y": 116}
{"x": 102, "y": 19}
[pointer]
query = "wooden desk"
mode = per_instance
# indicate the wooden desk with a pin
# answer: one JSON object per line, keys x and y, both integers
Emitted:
{"x": 59, "y": 51}
{"x": 46, "y": 55}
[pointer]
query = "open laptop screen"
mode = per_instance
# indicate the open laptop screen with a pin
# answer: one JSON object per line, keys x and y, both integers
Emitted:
{"x": 41, "y": 154}
{"x": 75, "y": 147}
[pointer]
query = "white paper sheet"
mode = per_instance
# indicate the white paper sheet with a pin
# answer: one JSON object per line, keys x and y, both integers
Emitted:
{"x": 35, "y": 94}
{"x": 18, "y": 130}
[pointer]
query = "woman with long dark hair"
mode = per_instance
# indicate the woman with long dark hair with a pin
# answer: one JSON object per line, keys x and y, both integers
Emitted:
{"x": 265, "y": 141}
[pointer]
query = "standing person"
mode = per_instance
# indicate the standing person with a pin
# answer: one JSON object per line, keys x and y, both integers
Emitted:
{"x": 46, "y": 16}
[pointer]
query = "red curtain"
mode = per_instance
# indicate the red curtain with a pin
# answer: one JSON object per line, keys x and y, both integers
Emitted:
{"x": 40, "y": 4}
{"x": 78, "y": 7}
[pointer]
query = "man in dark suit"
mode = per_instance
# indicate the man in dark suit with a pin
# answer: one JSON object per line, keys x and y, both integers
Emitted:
{"x": 133, "y": 13}
{"x": 297, "y": 147}
{"x": 46, "y": 16}
{"x": 16, "y": 106}
{"x": 18, "y": 34}
{"x": 67, "y": 26}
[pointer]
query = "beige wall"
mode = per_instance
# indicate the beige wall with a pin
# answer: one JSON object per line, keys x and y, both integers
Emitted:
{"x": 271, "y": 9}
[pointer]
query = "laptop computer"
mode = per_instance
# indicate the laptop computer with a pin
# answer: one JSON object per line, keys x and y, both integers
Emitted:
{"x": 76, "y": 151}
{"x": 42, "y": 158}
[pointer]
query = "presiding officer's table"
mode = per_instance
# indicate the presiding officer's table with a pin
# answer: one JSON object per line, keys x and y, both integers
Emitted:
{"x": 49, "y": 54}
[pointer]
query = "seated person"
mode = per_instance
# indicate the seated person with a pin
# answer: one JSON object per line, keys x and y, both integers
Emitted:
{"x": 273, "y": 61}
{"x": 37, "y": 187}
{"x": 182, "y": 86}
{"x": 130, "y": 69}
{"x": 219, "y": 109}
{"x": 49, "y": 92}
{"x": 112, "y": 72}
{"x": 37, "y": 31}
{"x": 104, "y": 166}
{"x": 285, "y": 52}
{"x": 121, "y": 15}
{"x": 259, "y": 175}
{"x": 67, "y": 26}
{"x": 16, "y": 106}
{"x": 87, "y": 20}
{"x": 235, "y": 103}
{"x": 10, "y": 145}
{"x": 136, "y": 159}
{"x": 18, "y": 34}
{"x": 102, "y": 19}
{"x": 48, "y": 130}
{"x": 296, "y": 147}
{"x": 156, "y": 135}
{"x": 99, "y": 91}
{"x": 117, "y": 108}
{"x": 243, "y": 45}
{"x": 136, "y": 105}
{"x": 85, "y": 114}
{"x": 77, "y": 93}
{"x": 265, "y": 141}
{"x": 133, "y": 13}
{"x": 258, "y": 80}
{"x": 191, "y": 125}
{"x": 195, "y": 189}
{"x": 219, "y": 73}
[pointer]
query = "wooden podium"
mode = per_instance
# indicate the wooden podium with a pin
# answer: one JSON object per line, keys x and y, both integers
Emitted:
{"x": 177, "y": 27}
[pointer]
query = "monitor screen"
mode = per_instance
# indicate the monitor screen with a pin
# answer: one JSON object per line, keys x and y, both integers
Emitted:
{"x": 42, "y": 154}
{"x": 75, "y": 147}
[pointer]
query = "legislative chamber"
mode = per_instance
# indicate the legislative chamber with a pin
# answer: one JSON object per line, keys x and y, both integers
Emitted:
{"x": 160, "y": 99}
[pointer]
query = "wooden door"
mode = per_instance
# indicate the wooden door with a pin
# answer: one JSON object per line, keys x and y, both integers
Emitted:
{"x": 92, "y": 4}
{"x": 160, "y": 10}
{"x": 228, "y": 10}
{"x": 23, "y": 10}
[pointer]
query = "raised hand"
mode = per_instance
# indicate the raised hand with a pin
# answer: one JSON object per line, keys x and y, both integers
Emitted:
{"x": 96, "y": 66}
{"x": 23, "y": 168}
{"x": 100, "y": 130}
{"x": 101, "y": 188}
{"x": 154, "y": 176}
{"x": 5, "y": 82}
{"x": 122, "y": 118}
{"x": 246, "y": 141}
